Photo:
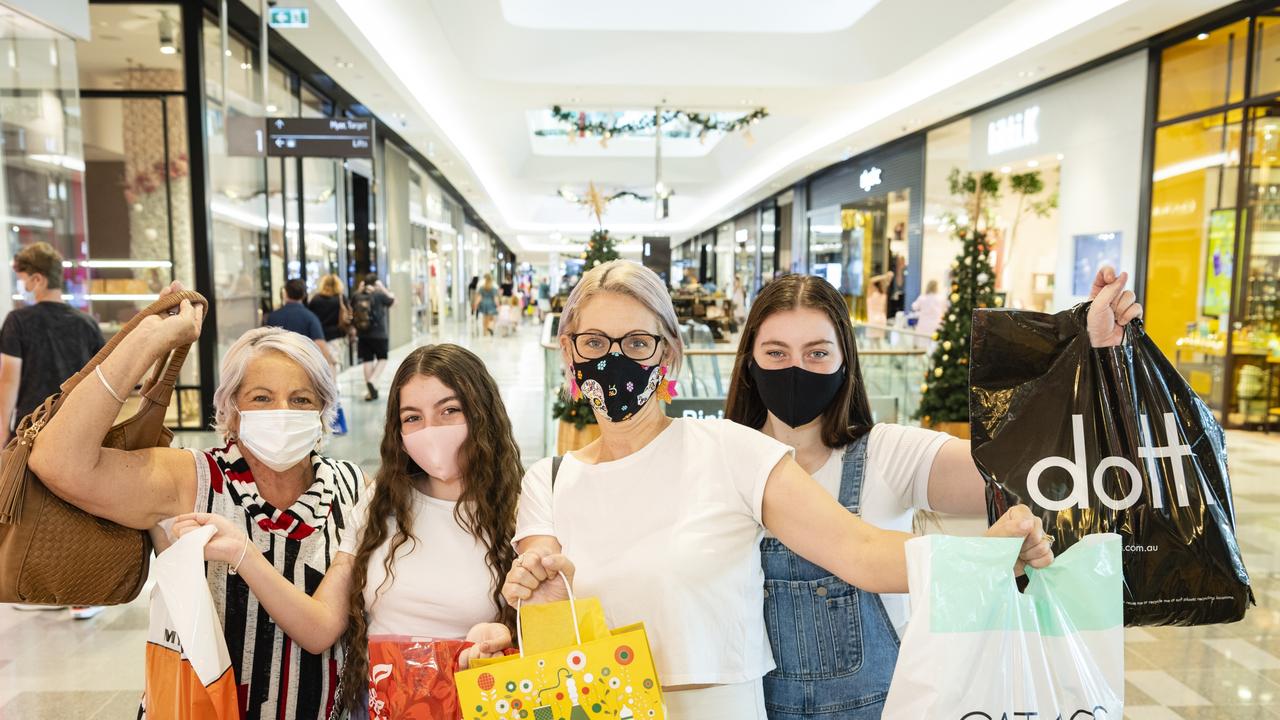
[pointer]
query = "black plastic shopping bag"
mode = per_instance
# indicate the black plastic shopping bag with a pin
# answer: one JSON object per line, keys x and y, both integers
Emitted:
{"x": 1100, "y": 440}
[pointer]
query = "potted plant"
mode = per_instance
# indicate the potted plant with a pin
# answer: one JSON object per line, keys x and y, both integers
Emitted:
{"x": 577, "y": 422}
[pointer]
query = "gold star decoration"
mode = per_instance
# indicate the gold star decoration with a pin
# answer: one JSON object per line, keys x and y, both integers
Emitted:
{"x": 596, "y": 202}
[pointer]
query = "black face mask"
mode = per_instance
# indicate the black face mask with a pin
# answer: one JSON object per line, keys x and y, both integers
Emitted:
{"x": 794, "y": 395}
{"x": 618, "y": 385}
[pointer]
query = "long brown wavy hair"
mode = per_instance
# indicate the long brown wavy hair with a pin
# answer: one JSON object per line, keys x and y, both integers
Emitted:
{"x": 848, "y": 417}
{"x": 491, "y": 470}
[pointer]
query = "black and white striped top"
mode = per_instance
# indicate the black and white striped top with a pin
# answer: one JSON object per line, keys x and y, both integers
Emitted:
{"x": 277, "y": 679}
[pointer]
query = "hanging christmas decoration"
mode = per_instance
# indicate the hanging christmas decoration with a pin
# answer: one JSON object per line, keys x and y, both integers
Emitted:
{"x": 700, "y": 124}
{"x": 597, "y": 201}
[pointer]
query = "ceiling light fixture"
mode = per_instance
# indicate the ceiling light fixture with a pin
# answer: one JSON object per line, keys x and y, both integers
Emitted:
{"x": 1202, "y": 36}
{"x": 168, "y": 34}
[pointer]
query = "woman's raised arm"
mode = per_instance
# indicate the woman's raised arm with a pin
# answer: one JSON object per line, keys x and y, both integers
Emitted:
{"x": 134, "y": 488}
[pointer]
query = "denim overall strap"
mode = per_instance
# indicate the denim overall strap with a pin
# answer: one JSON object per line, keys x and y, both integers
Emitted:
{"x": 852, "y": 466}
{"x": 834, "y": 644}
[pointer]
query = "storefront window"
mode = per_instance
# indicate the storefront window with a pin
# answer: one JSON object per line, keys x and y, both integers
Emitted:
{"x": 1205, "y": 72}
{"x": 320, "y": 177}
{"x": 857, "y": 243}
{"x": 238, "y": 198}
{"x": 1214, "y": 251}
{"x": 768, "y": 243}
{"x": 746, "y": 245}
{"x": 138, "y": 172}
{"x": 42, "y": 178}
{"x": 134, "y": 47}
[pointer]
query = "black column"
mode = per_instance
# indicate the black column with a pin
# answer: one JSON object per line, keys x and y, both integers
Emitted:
{"x": 201, "y": 227}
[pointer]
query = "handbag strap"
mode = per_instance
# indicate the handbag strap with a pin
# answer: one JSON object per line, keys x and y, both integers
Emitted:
{"x": 160, "y": 307}
{"x": 155, "y": 391}
{"x": 573, "y": 613}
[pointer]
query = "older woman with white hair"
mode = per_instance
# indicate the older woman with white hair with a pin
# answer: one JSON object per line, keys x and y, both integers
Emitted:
{"x": 275, "y": 403}
{"x": 662, "y": 518}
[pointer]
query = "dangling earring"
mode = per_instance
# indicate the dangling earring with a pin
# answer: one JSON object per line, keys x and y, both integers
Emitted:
{"x": 666, "y": 388}
{"x": 574, "y": 393}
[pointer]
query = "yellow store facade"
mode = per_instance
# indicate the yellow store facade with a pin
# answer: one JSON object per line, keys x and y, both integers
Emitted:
{"x": 1212, "y": 274}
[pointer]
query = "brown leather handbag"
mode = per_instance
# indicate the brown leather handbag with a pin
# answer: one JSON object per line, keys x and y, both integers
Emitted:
{"x": 54, "y": 553}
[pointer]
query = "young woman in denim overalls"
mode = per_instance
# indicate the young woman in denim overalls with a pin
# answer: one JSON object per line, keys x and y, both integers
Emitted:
{"x": 797, "y": 379}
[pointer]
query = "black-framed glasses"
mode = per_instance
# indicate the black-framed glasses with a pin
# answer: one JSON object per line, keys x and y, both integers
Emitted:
{"x": 638, "y": 346}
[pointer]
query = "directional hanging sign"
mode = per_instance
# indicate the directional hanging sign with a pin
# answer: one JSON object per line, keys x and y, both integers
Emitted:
{"x": 289, "y": 17}
{"x": 320, "y": 137}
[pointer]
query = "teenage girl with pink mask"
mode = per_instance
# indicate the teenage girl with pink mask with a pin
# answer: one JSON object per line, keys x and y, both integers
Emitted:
{"x": 431, "y": 542}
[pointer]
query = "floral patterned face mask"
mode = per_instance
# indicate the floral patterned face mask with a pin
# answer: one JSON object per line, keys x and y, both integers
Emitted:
{"x": 619, "y": 386}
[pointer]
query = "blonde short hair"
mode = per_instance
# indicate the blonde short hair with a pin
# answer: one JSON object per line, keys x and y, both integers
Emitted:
{"x": 638, "y": 282}
{"x": 330, "y": 285}
{"x": 254, "y": 343}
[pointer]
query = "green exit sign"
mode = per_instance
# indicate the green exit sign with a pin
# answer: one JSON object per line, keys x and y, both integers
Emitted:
{"x": 285, "y": 17}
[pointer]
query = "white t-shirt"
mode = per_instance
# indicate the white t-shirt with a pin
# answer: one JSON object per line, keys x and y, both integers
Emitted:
{"x": 670, "y": 536}
{"x": 895, "y": 482}
{"x": 442, "y": 586}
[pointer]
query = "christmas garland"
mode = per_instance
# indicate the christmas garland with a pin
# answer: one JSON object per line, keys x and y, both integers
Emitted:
{"x": 703, "y": 123}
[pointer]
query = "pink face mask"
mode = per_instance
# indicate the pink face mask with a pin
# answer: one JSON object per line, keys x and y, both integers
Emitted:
{"x": 435, "y": 449}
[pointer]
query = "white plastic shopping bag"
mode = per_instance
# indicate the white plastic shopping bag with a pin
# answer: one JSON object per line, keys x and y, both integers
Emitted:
{"x": 189, "y": 675}
{"x": 979, "y": 649}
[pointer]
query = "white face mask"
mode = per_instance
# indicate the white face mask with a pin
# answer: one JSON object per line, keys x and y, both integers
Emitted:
{"x": 28, "y": 296}
{"x": 280, "y": 438}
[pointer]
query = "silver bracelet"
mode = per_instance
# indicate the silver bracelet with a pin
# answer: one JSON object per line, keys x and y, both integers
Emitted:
{"x": 235, "y": 568}
{"x": 98, "y": 371}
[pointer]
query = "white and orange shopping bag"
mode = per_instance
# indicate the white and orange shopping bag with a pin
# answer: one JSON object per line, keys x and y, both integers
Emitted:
{"x": 189, "y": 675}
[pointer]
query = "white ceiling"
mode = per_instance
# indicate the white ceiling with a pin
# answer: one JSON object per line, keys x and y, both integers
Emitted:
{"x": 460, "y": 78}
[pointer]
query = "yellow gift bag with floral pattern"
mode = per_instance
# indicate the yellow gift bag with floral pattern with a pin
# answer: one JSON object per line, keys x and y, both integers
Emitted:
{"x": 604, "y": 674}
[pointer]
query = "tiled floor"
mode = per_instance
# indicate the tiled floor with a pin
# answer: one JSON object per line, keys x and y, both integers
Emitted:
{"x": 54, "y": 667}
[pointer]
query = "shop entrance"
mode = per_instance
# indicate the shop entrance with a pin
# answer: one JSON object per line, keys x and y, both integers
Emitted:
{"x": 363, "y": 258}
{"x": 861, "y": 249}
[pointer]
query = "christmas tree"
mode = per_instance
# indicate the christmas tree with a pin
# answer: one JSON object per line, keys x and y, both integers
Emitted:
{"x": 945, "y": 391}
{"x": 600, "y": 249}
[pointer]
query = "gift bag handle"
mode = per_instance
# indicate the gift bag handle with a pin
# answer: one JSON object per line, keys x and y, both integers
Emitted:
{"x": 573, "y": 612}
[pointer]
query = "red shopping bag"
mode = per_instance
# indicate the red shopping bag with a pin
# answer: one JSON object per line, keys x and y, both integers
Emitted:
{"x": 411, "y": 678}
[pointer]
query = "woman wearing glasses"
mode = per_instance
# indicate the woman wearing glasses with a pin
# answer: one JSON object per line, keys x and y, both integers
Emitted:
{"x": 662, "y": 519}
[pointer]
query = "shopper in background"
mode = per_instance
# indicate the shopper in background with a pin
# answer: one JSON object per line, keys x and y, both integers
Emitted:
{"x": 41, "y": 346}
{"x": 473, "y": 298}
{"x": 698, "y": 493}
{"x": 544, "y": 298}
{"x": 334, "y": 312}
{"x": 486, "y": 303}
{"x": 930, "y": 307}
{"x": 274, "y": 404}
{"x": 878, "y": 306}
{"x": 294, "y": 315}
{"x": 443, "y": 508}
{"x": 797, "y": 379}
{"x": 369, "y": 313}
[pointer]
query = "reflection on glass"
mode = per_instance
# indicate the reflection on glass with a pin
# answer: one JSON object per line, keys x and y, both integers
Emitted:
{"x": 133, "y": 47}
{"x": 1193, "y": 231}
{"x": 1204, "y": 72}
{"x": 768, "y": 251}
{"x": 42, "y": 178}
{"x": 238, "y": 199}
{"x": 320, "y": 184}
{"x": 1266, "y": 67}
{"x": 1257, "y": 331}
{"x": 861, "y": 249}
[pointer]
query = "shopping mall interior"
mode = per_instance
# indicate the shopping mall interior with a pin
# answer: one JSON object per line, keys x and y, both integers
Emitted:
{"x": 479, "y": 158}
